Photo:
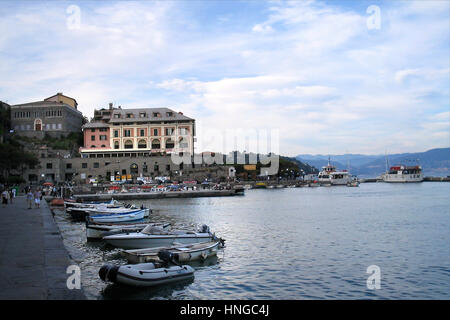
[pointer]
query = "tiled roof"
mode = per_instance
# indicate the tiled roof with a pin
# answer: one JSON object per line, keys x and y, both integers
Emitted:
{"x": 96, "y": 125}
{"x": 149, "y": 115}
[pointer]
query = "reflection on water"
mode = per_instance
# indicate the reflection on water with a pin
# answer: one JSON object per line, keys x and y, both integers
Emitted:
{"x": 298, "y": 243}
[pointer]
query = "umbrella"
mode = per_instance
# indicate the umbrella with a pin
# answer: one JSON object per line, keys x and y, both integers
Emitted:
{"x": 47, "y": 184}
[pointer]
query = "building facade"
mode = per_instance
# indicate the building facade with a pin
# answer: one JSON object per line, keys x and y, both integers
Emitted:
{"x": 116, "y": 132}
{"x": 56, "y": 115}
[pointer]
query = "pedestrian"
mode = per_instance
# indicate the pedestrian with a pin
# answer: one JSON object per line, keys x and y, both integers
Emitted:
{"x": 4, "y": 198}
{"x": 37, "y": 198}
{"x": 29, "y": 198}
{"x": 14, "y": 192}
{"x": 10, "y": 194}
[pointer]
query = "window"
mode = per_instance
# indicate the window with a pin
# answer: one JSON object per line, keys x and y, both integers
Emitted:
{"x": 169, "y": 131}
{"x": 142, "y": 144}
{"x": 116, "y": 145}
{"x": 49, "y": 165}
{"x": 129, "y": 115}
{"x": 142, "y": 132}
{"x": 103, "y": 146}
{"x": 156, "y": 114}
{"x": 156, "y": 144}
{"x": 84, "y": 165}
{"x": 92, "y": 138}
{"x": 59, "y": 126}
{"x": 128, "y": 144}
{"x": 142, "y": 114}
{"x": 102, "y": 129}
{"x": 169, "y": 114}
{"x": 96, "y": 165}
{"x": 183, "y": 131}
{"x": 127, "y": 133}
{"x": 102, "y": 137}
{"x": 68, "y": 166}
{"x": 93, "y": 146}
{"x": 116, "y": 133}
{"x": 170, "y": 144}
{"x": 168, "y": 167}
{"x": 155, "y": 132}
{"x": 117, "y": 115}
{"x": 92, "y": 130}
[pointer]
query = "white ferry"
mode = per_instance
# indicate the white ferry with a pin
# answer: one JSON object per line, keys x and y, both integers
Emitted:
{"x": 403, "y": 173}
{"x": 329, "y": 175}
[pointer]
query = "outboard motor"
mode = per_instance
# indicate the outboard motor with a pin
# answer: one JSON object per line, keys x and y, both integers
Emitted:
{"x": 108, "y": 272}
{"x": 167, "y": 257}
{"x": 204, "y": 229}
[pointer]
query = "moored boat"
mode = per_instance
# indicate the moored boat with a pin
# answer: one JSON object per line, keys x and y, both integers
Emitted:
{"x": 181, "y": 253}
{"x": 151, "y": 237}
{"x": 146, "y": 274}
{"x": 403, "y": 174}
{"x": 96, "y": 231}
{"x": 118, "y": 217}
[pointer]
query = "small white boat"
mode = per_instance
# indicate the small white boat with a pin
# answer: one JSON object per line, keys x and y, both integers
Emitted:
{"x": 99, "y": 230}
{"x": 354, "y": 183}
{"x": 118, "y": 217}
{"x": 145, "y": 274}
{"x": 181, "y": 253}
{"x": 151, "y": 237}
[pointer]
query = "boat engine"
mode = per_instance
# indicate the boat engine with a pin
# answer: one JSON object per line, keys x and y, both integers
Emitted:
{"x": 204, "y": 229}
{"x": 108, "y": 272}
{"x": 167, "y": 257}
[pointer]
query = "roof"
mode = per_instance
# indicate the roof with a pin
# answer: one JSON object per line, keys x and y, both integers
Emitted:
{"x": 42, "y": 104}
{"x": 60, "y": 94}
{"x": 148, "y": 115}
{"x": 96, "y": 125}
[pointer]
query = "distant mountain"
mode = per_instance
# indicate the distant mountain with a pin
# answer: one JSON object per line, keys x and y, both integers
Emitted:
{"x": 435, "y": 162}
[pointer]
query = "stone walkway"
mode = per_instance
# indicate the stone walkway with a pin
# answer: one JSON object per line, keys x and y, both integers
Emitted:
{"x": 33, "y": 259}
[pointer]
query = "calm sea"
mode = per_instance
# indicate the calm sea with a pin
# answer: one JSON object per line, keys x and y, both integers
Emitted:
{"x": 299, "y": 243}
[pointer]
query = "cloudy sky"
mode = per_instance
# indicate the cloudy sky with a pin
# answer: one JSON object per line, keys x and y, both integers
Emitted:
{"x": 326, "y": 77}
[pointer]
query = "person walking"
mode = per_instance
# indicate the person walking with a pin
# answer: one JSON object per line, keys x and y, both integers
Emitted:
{"x": 29, "y": 198}
{"x": 10, "y": 193}
{"x": 37, "y": 198}
{"x": 4, "y": 198}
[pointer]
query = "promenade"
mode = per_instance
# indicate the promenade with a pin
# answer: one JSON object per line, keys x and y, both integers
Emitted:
{"x": 33, "y": 259}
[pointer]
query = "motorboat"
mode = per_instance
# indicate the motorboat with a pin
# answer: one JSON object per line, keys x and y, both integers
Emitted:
{"x": 181, "y": 253}
{"x": 403, "y": 174}
{"x": 80, "y": 214}
{"x": 96, "y": 231}
{"x": 123, "y": 216}
{"x": 151, "y": 237}
{"x": 147, "y": 274}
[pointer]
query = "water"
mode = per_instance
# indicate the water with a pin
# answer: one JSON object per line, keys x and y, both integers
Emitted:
{"x": 299, "y": 243}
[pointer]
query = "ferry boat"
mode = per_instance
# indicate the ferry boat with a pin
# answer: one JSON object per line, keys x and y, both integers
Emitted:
{"x": 402, "y": 173}
{"x": 329, "y": 175}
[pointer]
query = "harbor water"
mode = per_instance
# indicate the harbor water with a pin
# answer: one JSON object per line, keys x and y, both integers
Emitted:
{"x": 298, "y": 243}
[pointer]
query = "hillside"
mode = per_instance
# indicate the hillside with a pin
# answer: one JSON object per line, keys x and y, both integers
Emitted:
{"x": 435, "y": 162}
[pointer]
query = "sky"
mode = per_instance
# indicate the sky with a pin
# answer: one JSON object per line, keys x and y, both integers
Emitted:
{"x": 319, "y": 77}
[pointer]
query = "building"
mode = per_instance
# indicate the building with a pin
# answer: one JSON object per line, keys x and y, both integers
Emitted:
{"x": 56, "y": 115}
{"x": 117, "y": 132}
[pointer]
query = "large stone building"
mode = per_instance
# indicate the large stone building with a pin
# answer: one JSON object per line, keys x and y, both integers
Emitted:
{"x": 56, "y": 115}
{"x": 117, "y": 132}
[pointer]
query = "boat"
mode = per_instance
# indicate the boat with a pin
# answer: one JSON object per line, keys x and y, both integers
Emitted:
{"x": 132, "y": 215}
{"x": 151, "y": 237}
{"x": 403, "y": 174}
{"x": 340, "y": 178}
{"x": 329, "y": 175}
{"x": 96, "y": 231}
{"x": 112, "y": 204}
{"x": 147, "y": 274}
{"x": 181, "y": 253}
{"x": 80, "y": 214}
{"x": 248, "y": 187}
{"x": 353, "y": 183}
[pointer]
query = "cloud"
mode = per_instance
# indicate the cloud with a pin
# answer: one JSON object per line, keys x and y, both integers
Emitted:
{"x": 310, "y": 69}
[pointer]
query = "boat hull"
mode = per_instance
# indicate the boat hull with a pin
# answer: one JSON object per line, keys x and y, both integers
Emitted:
{"x": 97, "y": 232}
{"x": 181, "y": 254}
{"x": 142, "y": 241}
{"x": 141, "y": 275}
{"x": 118, "y": 217}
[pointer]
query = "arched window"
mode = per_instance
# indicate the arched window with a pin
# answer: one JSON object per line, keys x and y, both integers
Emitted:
{"x": 128, "y": 144}
{"x": 103, "y": 146}
{"x": 116, "y": 145}
{"x": 93, "y": 147}
{"x": 170, "y": 144}
{"x": 142, "y": 144}
{"x": 38, "y": 125}
{"x": 155, "y": 144}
